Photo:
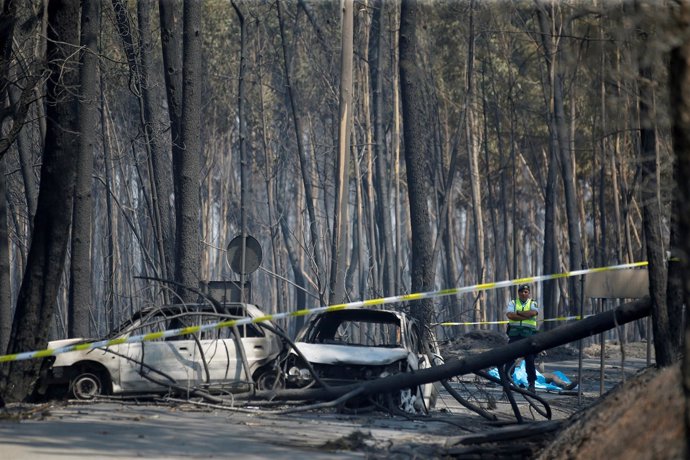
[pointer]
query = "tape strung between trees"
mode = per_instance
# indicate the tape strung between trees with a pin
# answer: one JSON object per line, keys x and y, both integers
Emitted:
{"x": 562, "y": 335}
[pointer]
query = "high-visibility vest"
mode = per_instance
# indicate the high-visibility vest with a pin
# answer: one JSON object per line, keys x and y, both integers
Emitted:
{"x": 519, "y": 306}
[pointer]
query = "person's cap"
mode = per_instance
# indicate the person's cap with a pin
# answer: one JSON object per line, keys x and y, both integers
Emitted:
{"x": 523, "y": 287}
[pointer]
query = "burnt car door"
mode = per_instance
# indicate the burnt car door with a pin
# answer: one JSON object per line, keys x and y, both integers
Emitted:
{"x": 218, "y": 359}
{"x": 164, "y": 362}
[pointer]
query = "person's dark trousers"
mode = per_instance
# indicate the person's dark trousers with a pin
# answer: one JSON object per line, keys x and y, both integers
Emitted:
{"x": 529, "y": 362}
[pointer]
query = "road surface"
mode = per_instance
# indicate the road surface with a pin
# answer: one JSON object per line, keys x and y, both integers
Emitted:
{"x": 130, "y": 430}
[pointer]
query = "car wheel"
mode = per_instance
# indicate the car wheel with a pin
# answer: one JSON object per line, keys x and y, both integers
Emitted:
{"x": 412, "y": 401}
{"x": 271, "y": 379}
{"x": 86, "y": 385}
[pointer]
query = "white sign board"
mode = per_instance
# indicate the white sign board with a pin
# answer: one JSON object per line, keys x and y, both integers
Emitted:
{"x": 617, "y": 284}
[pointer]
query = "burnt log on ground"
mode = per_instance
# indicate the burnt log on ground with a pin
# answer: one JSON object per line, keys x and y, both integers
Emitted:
{"x": 520, "y": 441}
{"x": 562, "y": 335}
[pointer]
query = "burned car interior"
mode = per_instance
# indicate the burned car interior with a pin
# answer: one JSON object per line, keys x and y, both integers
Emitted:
{"x": 357, "y": 327}
{"x": 348, "y": 346}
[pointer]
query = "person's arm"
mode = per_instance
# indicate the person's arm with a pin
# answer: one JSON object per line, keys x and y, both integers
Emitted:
{"x": 533, "y": 310}
{"x": 510, "y": 311}
{"x": 521, "y": 315}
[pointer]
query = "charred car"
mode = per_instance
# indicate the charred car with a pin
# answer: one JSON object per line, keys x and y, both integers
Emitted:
{"x": 215, "y": 360}
{"x": 349, "y": 346}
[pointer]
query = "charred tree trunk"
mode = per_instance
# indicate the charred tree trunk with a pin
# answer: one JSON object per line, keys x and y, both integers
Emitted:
{"x": 269, "y": 177}
{"x": 475, "y": 178}
{"x": 45, "y": 264}
{"x": 26, "y": 162}
{"x": 559, "y": 127}
{"x": 651, "y": 218}
{"x": 171, "y": 41}
{"x": 150, "y": 120}
{"x": 680, "y": 114}
{"x": 303, "y": 161}
{"x": 186, "y": 164}
{"x": 80, "y": 291}
{"x": 21, "y": 104}
{"x": 297, "y": 272}
{"x": 550, "y": 262}
{"x": 417, "y": 150}
{"x": 156, "y": 122}
{"x": 342, "y": 189}
{"x": 383, "y": 217}
{"x": 5, "y": 283}
{"x": 242, "y": 118}
{"x": 550, "y": 248}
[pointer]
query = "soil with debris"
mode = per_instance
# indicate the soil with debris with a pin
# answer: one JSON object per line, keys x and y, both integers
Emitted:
{"x": 641, "y": 418}
{"x": 482, "y": 340}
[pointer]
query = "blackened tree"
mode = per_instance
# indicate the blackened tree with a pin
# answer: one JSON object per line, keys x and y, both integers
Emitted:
{"x": 45, "y": 263}
{"x": 417, "y": 150}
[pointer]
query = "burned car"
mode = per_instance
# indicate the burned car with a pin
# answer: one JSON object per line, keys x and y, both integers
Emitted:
{"x": 348, "y": 346}
{"x": 215, "y": 360}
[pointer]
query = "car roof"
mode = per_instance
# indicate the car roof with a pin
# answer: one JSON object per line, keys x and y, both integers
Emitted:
{"x": 232, "y": 309}
{"x": 225, "y": 308}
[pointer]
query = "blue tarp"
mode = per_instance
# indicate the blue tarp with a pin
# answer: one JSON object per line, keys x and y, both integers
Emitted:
{"x": 520, "y": 378}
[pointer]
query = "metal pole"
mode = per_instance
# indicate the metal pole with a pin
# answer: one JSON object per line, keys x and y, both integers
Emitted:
{"x": 649, "y": 341}
{"x": 244, "y": 184}
{"x": 579, "y": 342}
{"x": 602, "y": 345}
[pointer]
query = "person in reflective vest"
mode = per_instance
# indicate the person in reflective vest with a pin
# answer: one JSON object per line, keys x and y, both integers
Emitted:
{"x": 522, "y": 322}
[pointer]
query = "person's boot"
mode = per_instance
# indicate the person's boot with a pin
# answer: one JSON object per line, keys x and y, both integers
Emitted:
{"x": 531, "y": 388}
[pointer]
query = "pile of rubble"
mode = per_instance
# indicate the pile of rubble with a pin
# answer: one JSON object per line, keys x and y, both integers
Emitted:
{"x": 479, "y": 341}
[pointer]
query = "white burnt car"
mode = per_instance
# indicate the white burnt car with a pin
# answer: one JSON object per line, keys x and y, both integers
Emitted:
{"x": 209, "y": 360}
{"x": 349, "y": 346}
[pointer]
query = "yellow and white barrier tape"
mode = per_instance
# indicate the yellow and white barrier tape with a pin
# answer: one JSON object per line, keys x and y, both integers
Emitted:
{"x": 477, "y": 323}
{"x": 305, "y": 312}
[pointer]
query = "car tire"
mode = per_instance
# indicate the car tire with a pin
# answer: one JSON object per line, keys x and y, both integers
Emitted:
{"x": 270, "y": 379}
{"x": 86, "y": 386}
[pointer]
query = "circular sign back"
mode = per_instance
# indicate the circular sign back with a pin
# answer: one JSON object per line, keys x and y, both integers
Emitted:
{"x": 252, "y": 256}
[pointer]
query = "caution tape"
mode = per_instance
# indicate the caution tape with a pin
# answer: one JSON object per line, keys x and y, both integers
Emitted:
{"x": 477, "y": 323}
{"x": 305, "y": 312}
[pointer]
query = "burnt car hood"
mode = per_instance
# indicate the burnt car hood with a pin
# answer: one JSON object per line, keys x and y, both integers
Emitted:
{"x": 320, "y": 353}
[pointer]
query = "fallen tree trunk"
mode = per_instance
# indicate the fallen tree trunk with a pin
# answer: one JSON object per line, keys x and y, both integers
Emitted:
{"x": 543, "y": 341}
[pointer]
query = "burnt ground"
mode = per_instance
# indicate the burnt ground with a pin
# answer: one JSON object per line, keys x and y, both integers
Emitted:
{"x": 630, "y": 410}
{"x": 638, "y": 416}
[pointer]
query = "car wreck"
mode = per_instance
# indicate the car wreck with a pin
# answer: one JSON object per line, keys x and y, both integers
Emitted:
{"x": 214, "y": 360}
{"x": 348, "y": 346}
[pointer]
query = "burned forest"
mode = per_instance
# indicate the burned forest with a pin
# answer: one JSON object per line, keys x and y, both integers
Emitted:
{"x": 371, "y": 228}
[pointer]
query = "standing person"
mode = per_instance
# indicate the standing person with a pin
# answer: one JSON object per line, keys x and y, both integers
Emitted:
{"x": 522, "y": 322}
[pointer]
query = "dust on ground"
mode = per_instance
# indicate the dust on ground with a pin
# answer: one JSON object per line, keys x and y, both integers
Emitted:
{"x": 639, "y": 417}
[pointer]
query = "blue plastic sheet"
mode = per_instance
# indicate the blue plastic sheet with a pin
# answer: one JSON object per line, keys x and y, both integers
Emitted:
{"x": 520, "y": 378}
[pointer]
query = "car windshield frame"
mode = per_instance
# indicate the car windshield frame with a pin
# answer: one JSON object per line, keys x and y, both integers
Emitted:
{"x": 385, "y": 328}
